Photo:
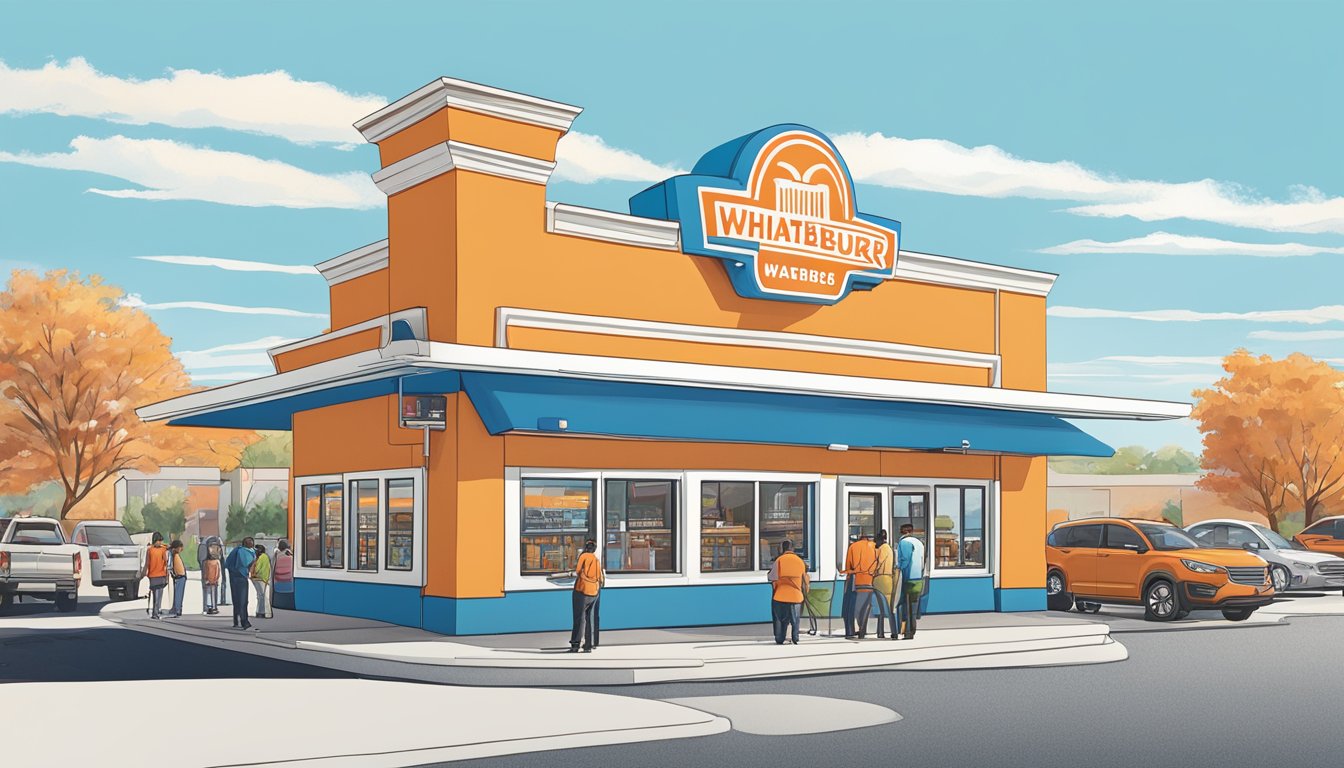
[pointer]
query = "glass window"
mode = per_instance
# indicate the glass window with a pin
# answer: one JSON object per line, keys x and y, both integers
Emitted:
{"x": 81, "y": 537}
{"x": 106, "y": 535}
{"x": 959, "y": 527}
{"x": 35, "y": 533}
{"x": 333, "y": 526}
{"x": 1167, "y": 537}
{"x": 557, "y": 520}
{"x": 312, "y": 526}
{"x": 1203, "y": 534}
{"x": 786, "y": 513}
{"x": 910, "y": 509}
{"x": 1241, "y": 538}
{"x": 1084, "y": 536}
{"x": 727, "y": 526}
{"x": 400, "y": 524}
{"x": 364, "y": 525}
{"x": 639, "y": 526}
{"x": 1122, "y": 537}
{"x": 1323, "y": 528}
{"x": 863, "y": 513}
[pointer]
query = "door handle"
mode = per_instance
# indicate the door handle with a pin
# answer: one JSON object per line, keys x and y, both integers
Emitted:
{"x": 1103, "y": 554}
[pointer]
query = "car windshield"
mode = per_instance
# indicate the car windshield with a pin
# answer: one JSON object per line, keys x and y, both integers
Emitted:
{"x": 1168, "y": 537}
{"x": 108, "y": 535}
{"x": 1277, "y": 541}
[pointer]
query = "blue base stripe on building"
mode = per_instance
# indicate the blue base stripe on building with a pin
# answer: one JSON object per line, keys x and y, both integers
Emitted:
{"x": 621, "y": 607}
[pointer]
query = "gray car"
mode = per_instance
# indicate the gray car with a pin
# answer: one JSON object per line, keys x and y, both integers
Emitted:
{"x": 1291, "y": 565}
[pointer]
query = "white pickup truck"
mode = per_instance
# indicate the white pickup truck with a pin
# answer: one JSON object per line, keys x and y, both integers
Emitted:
{"x": 36, "y": 561}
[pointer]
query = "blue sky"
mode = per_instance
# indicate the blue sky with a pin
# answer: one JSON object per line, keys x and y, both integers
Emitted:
{"x": 1178, "y": 163}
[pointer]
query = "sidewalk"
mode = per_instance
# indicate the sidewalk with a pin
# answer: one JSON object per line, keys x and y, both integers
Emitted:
{"x": 626, "y": 657}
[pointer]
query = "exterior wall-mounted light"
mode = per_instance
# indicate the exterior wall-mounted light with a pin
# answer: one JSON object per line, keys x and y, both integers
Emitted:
{"x": 552, "y": 424}
{"x": 837, "y": 447}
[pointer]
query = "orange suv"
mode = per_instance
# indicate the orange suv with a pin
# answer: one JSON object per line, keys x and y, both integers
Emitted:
{"x": 1325, "y": 535}
{"x": 1153, "y": 564}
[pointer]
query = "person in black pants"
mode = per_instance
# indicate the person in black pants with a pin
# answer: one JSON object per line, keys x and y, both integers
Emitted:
{"x": 239, "y": 566}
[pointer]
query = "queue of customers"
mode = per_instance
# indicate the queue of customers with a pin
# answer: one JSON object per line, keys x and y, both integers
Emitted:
{"x": 248, "y": 568}
{"x": 872, "y": 569}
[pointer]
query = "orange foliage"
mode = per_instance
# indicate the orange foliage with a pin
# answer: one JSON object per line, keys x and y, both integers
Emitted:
{"x": 74, "y": 364}
{"x": 1274, "y": 434}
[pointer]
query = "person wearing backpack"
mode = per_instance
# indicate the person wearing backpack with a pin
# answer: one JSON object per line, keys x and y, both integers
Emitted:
{"x": 239, "y": 567}
{"x": 177, "y": 571}
{"x": 282, "y": 578}
{"x": 156, "y": 568}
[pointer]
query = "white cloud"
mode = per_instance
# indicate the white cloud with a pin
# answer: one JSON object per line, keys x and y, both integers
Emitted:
{"x": 1167, "y": 244}
{"x": 585, "y": 158}
{"x": 234, "y": 265}
{"x": 270, "y": 103}
{"x": 253, "y": 353}
{"x": 1160, "y": 360}
{"x": 1297, "y": 335}
{"x": 936, "y": 165}
{"x": 1316, "y": 316}
{"x": 134, "y": 300}
{"x": 176, "y": 171}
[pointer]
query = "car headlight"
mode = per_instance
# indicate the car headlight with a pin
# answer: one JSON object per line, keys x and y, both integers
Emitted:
{"x": 1199, "y": 567}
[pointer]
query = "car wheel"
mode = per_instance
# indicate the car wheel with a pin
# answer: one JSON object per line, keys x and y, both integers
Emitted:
{"x": 1160, "y": 601}
{"x": 1084, "y": 606}
{"x": 5, "y": 602}
{"x": 67, "y": 604}
{"x": 1056, "y": 599}
{"x": 1181, "y": 614}
{"x": 1279, "y": 576}
{"x": 1237, "y": 614}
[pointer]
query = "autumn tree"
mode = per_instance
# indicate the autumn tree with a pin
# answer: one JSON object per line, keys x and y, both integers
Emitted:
{"x": 1273, "y": 435}
{"x": 75, "y": 363}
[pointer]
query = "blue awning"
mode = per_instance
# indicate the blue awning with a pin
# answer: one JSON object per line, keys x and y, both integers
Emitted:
{"x": 522, "y": 403}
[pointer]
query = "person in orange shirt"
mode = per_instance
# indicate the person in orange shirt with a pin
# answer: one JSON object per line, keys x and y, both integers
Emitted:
{"x": 860, "y": 563}
{"x": 156, "y": 568}
{"x": 588, "y": 582}
{"x": 789, "y": 583}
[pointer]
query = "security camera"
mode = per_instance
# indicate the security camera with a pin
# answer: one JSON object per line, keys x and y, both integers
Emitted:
{"x": 965, "y": 444}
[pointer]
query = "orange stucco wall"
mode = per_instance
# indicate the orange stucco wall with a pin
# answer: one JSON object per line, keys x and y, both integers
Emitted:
{"x": 465, "y": 244}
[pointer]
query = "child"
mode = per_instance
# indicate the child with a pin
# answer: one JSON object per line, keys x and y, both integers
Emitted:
{"x": 210, "y": 575}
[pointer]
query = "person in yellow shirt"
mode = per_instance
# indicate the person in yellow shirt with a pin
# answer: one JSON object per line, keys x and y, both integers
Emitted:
{"x": 885, "y": 585}
{"x": 588, "y": 582}
{"x": 789, "y": 583}
{"x": 860, "y": 563}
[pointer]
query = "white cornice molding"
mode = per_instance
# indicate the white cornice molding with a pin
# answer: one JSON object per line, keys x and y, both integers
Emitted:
{"x": 612, "y": 227}
{"x": 930, "y": 268}
{"x": 416, "y": 317}
{"x": 473, "y": 97}
{"x": 357, "y": 263}
{"x": 515, "y": 317}
{"x": 453, "y": 155}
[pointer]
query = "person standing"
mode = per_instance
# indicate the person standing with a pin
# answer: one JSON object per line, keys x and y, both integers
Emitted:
{"x": 156, "y": 568}
{"x": 883, "y": 584}
{"x": 177, "y": 571}
{"x": 910, "y": 561}
{"x": 588, "y": 582}
{"x": 239, "y": 566}
{"x": 860, "y": 561}
{"x": 260, "y": 575}
{"x": 282, "y": 577}
{"x": 789, "y": 585}
{"x": 210, "y": 578}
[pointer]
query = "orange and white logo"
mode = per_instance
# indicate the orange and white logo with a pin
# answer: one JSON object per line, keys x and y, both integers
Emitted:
{"x": 798, "y": 211}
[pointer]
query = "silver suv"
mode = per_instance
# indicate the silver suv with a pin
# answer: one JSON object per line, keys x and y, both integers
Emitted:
{"x": 1292, "y": 566}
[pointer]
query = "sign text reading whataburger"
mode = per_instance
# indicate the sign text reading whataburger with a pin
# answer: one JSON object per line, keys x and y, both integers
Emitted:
{"x": 777, "y": 206}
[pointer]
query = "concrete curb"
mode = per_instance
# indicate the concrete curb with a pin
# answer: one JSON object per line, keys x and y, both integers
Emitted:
{"x": 981, "y": 648}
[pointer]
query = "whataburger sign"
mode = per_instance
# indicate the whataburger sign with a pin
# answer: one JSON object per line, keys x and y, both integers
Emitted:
{"x": 781, "y": 215}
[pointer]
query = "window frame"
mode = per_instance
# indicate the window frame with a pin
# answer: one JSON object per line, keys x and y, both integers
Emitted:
{"x": 674, "y": 513}
{"x": 415, "y": 576}
{"x": 594, "y": 530}
{"x": 985, "y": 524}
{"x": 752, "y": 534}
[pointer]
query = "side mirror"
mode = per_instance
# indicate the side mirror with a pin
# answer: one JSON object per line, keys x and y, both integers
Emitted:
{"x": 1251, "y": 545}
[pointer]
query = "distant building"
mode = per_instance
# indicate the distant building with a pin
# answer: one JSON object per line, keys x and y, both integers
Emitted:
{"x": 1070, "y": 497}
{"x": 208, "y": 492}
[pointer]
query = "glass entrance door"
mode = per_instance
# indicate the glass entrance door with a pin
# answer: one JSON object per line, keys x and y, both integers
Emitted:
{"x": 910, "y": 508}
{"x": 865, "y": 513}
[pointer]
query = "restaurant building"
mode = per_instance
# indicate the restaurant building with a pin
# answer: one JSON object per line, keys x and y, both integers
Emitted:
{"x": 744, "y": 357}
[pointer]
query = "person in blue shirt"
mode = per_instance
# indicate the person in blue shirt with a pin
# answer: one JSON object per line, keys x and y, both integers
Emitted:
{"x": 910, "y": 561}
{"x": 239, "y": 565}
